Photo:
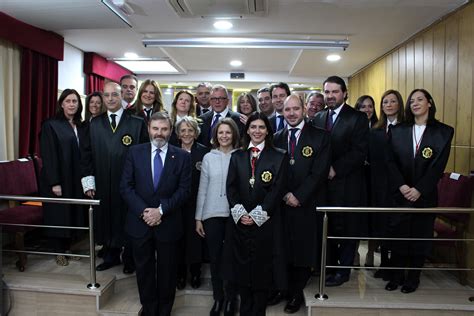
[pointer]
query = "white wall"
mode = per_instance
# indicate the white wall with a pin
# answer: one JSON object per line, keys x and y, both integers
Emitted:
{"x": 70, "y": 70}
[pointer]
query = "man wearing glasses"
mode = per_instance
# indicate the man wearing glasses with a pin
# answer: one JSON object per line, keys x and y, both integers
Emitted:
{"x": 219, "y": 100}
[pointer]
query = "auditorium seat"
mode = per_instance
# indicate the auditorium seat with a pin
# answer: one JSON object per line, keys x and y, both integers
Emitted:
{"x": 19, "y": 178}
{"x": 454, "y": 191}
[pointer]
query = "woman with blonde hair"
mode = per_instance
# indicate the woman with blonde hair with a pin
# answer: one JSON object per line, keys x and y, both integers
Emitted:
{"x": 149, "y": 100}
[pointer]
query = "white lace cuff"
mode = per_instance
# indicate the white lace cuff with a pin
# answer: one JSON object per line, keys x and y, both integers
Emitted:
{"x": 259, "y": 216}
{"x": 237, "y": 212}
{"x": 88, "y": 183}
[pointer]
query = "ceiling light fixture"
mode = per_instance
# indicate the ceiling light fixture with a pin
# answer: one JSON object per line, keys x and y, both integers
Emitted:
{"x": 235, "y": 63}
{"x": 116, "y": 10}
{"x": 130, "y": 55}
{"x": 243, "y": 42}
{"x": 148, "y": 65}
{"x": 223, "y": 25}
{"x": 333, "y": 57}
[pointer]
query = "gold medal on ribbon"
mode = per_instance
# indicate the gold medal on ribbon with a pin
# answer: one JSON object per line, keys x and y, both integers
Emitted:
{"x": 292, "y": 161}
{"x": 252, "y": 181}
{"x": 127, "y": 140}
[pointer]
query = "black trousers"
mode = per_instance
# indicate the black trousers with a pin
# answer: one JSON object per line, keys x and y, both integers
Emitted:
{"x": 298, "y": 277}
{"x": 215, "y": 235}
{"x": 409, "y": 277}
{"x": 342, "y": 252}
{"x": 155, "y": 263}
{"x": 252, "y": 302}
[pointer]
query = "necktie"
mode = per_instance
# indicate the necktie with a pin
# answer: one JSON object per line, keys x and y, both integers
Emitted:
{"x": 330, "y": 122}
{"x": 157, "y": 168}
{"x": 129, "y": 106}
{"x": 389, "y": 130}
{"x": 204, "y": 111}
{"x": 253, "y": 162}
{"x": 292, "y": 143}
{"x": 281, "y": 125}
{"x": 148, "y": 114}
{"x": 214, "y": 123}
{"x": 114, "y": 123}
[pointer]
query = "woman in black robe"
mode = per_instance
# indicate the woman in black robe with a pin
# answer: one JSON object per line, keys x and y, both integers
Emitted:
{"x": 255, "y": 185}
{"x": 418, "y": 154}
{"x": 60, "y": 176}
{"x": 187, "y": 131}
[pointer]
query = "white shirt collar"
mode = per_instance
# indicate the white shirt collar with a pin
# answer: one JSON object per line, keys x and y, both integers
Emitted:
{"x": 223, "y": 113}
{"x": 260, "y": 146}
{"x": 118, "y": 113}
{"x": 299, "y": 126}
{"x": 164, "y": 149}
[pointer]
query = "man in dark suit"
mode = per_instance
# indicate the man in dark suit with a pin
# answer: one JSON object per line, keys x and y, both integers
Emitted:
{"x": 309, "y": 152}
{"x": 279, "y": 92}
{"x": 156, "y": 180}
{"x": 203, "y": 92}
{"x": 349, "y": 144}
{"x": 219, "y": 100}
{"x": 265, "y": 102}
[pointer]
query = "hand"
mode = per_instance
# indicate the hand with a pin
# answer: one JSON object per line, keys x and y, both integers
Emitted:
{"x": 291, "y": 200}
{"x": 247, "y": 220}
{"x": 57, "y": 190}
{"x": 412, "y": 195}
{"x": 243, "y": 119}
{"x": 90, "y": 193}
{"x": 152, "y": 216}
{"x": 332, "y": 173}
{"x": 404, "y": 189}
{"x": 200, "y": 229}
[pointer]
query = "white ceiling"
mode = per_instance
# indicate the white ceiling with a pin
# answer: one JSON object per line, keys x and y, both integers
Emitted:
{"x": 373, "y": 27}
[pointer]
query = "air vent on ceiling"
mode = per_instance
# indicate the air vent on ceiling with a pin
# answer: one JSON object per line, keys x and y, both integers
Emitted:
{"x": 222, "y": 8}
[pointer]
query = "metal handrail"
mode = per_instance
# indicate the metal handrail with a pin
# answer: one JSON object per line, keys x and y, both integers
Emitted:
{"x": 93, "y": 282}
{"x": 334, "y": 209}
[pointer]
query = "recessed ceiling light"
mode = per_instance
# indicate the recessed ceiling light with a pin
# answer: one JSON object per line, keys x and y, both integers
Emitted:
{"x": 333, "y": 57}
{"x": 223, "y": 25}
{"x": 130, "y": 55}
{"x": 236, "y": 63}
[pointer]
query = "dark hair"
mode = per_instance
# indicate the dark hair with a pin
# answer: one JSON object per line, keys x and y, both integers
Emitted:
{"x": 205, "y": 85}
{"x": 77, "y": 119}
{"x": 374, "y": 119}
{"x": 246, "y": 137}
{"x": 281, "y": 85}
{"x": 161, "y": 116}
{"x": 128, "y": 77}
{"x": 88, "y": 101}
{"x": 314, "y": 94}
{"x": 192, "y": 105}
{"x": 264, "y": 89}
{"x": 233, "y": 127}
{"x": 157, "y": 104}
{"x": 339, "y": 81}
{"x": 382, "y": 123}
{"x": 251, "y": 100}
{"x": 410, "y": 118}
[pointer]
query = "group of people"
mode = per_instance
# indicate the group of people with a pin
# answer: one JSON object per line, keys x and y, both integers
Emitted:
{"x": 240, "y": 189}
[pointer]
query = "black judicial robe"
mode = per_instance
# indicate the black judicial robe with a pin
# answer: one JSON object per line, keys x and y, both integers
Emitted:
{"x": 104, "y": 155}
{"x": 61, "y": 160}
{"x": 349, "y": 148}
{"x": 307, "y": 180}
{"x": 422, "y": 171}
{"x": 250, "y": 250}
{"x": 193, "y": 242}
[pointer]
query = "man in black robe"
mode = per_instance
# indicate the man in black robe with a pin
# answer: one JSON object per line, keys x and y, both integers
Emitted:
{"x": 309, "y": 153}
{"x": 103, "y": 154}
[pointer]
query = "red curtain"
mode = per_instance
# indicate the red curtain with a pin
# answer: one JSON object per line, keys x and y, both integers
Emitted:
{"x": 38, "y": 97}
{"x": 94, "y": 83}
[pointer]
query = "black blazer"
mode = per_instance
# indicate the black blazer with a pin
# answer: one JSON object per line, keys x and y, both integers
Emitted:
{"x": 425, "y": 169}
{"x": 272, "y": 120}
{"x": 137, "y": 190}
{"x": 206, "y": 126}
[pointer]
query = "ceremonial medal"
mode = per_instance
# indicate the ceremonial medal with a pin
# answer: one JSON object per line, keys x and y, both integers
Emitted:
{"x": 266, "y": 176}
{"x": 427, "y": 153}
{"x": 292, "y": 161}
{"x": 127, "y": 140}
{"x": 252, "y": 181}
{"x": 307, "y": 151}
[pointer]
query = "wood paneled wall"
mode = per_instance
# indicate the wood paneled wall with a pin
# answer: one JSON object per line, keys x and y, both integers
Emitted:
{"x": 439, "y": 59}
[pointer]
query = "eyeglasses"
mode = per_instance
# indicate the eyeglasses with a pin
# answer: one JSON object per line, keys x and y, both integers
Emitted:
{"x": 220, "y": 99}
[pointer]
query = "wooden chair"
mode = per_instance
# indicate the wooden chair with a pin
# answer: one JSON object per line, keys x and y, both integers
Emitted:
{"x": 19, "y": 178}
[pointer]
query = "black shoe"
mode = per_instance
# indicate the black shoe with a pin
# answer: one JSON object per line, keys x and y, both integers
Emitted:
{"x": 229, "y": 309}
{"x": 107, "y": 265}
{"x": 392, "y": 286}
{"x": 275, "y": 298}
{"x": 409, "y": 288}
{"x": 294, "y": 304}
{"x": 181, "y": 283}
{"x": 337, "y": 279}
{"x": 216, "y": 308}
{"x": 128, "y": 268}
{"x": 101, "y": 252}
{"x": 195, "y": 281}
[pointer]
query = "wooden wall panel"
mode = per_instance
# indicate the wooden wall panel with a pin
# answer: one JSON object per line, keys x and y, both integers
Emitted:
{"x": 402, "y": 71}
{"x": 451, "y": 73}
{"x": 395, "y": 72}
{"x": 438, "y": 68}
{"x": 410, "y": 67}
{"x": 418, "y": 57}
{"x": 428, "y": 61}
